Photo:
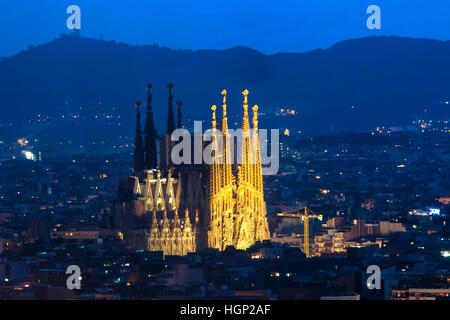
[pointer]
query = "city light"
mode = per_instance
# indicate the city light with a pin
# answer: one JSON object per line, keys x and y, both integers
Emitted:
{"x": 29, "y": 155}
{"x": 22, "y": 142}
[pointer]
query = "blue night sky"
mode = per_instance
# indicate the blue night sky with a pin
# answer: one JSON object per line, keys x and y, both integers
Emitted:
{"x": 268, "y": 26}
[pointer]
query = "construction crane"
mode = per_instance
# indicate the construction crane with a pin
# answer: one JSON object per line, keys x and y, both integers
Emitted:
{"x": 304, "y": 214}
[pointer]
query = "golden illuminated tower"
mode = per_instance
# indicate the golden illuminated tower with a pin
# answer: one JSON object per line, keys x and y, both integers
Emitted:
{"x": 262, "y": 227}
{"x": 216, "y": 199}
{"x": 228, "y": 180}
{"x": 237, "y": 207}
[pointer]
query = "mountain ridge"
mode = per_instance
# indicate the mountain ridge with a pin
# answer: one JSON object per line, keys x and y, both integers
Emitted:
{"x": 352, "y": 85}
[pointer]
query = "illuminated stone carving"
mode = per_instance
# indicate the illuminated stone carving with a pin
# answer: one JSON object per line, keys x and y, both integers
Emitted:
{"x": 237, "y": 207}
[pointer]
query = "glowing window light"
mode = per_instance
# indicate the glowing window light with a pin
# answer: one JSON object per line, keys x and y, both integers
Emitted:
{"x": 434, "y": 211}
{"x": 29, "y": 155}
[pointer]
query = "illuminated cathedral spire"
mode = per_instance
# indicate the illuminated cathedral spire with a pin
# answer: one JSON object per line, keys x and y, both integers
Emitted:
{"x": 214, "y": 121}
{"x": 227, "y": 166}
{"x": 215, "y": 170}
{"x": 237, "y": 208}
{"x": 138, "y": 143}
{"x": 256, "y": 152}
{"x": 245, "y": 123}
{"x": 224, "y": 112}
{"x": 187, "y": 220}
{"x": 245, "y": 171}
{"x": 150, "y": 135}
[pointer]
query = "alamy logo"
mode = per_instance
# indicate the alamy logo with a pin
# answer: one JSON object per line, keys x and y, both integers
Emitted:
{"x": 374, "y": 280}
{"x": 73, "y": 22}
{"x": 74, "y": 280}
{"x": 374, "y": 21}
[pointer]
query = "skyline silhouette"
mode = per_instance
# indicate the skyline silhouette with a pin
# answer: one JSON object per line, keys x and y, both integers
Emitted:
{"x": 292, "y": 26}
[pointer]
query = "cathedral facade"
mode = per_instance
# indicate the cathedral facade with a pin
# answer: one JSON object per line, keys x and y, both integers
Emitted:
{"x": 178, "y": 209}
{"x": 237, "y": 210}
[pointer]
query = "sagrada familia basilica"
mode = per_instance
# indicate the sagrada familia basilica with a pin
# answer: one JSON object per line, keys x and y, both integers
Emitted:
{"x": 178, "y": 209}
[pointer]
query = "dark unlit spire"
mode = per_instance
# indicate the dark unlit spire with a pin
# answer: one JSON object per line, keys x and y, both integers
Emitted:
{"x": 170, "y": 117}
{"x": 138, "y": 144}
{"x": 179, "y": 104}
{"x": 150, "y": 135}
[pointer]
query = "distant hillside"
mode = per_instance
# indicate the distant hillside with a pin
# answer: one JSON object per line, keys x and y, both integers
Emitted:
{"x": 354, "y": 85}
